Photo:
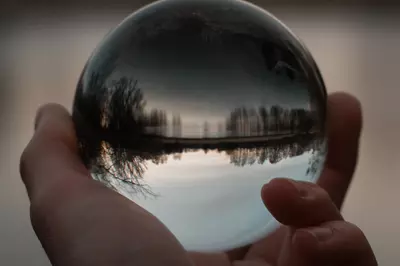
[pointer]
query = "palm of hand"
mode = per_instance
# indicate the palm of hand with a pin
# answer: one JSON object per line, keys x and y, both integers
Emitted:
{"x": 65, "y": 202}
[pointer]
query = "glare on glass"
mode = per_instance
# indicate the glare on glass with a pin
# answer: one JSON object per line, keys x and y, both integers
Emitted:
{"x": 189, "y": 107}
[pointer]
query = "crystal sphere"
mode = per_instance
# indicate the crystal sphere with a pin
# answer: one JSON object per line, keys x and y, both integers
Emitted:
{"x": 189, "y": 107}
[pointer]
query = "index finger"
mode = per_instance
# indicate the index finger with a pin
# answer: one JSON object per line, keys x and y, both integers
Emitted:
{"x": 345, "y": 123}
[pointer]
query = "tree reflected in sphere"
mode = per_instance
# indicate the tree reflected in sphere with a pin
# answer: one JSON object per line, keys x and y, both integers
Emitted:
{"x": 189, "y": 107}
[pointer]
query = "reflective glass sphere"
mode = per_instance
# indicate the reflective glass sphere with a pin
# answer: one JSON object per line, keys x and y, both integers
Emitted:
{"x": 189, "y": 107}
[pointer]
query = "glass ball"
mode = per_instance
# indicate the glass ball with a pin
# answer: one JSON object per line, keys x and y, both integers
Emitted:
{"x": 189, "y": 107}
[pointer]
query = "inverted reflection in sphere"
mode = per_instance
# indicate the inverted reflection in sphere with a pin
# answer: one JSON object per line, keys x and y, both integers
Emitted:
{"x": 189, "y": 107}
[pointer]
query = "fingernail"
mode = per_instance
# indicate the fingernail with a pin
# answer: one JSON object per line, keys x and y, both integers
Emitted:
{"x": 300, "y": 187}
{"x": 320, "y": 233}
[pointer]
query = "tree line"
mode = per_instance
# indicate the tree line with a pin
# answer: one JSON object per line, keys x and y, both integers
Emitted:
{"x": 118, "y": 137}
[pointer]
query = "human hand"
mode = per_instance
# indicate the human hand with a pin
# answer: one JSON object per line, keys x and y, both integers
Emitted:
{"x": 81, "y": 222}
{"x": 313, "y": 232}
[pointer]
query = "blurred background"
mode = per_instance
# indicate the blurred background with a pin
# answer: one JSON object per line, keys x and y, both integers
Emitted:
{"x": 44, "y": 45}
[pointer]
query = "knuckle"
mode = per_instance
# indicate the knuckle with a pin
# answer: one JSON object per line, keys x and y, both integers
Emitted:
{"x": 355, "y": 232}
{"x": 347, "y": 245}
{"x": 350, "y": 234}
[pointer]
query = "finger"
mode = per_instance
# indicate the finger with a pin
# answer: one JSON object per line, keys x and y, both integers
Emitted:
{"x": 51, "y": 158}
{"x": 333, "y": 243}
{"x": 344, "y": 129}
{"x": 344, "y": 126}
{"x": 299, "y": 204}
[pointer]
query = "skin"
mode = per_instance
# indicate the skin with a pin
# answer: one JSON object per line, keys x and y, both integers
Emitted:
{"x": 80, "y": 222}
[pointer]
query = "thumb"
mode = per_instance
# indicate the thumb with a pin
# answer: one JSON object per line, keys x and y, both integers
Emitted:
{"x": 50, "y": 162}
{"x": 333, "y": 243}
